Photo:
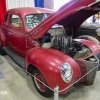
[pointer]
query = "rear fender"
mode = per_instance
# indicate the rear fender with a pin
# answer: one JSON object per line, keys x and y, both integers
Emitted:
{"x": 2, "y": 38}
{"x": 49, "y": 62}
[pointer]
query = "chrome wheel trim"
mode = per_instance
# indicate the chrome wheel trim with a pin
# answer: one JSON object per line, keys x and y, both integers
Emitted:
{"x": 37, "y": 82}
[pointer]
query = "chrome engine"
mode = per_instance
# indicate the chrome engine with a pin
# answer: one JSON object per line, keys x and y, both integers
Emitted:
{"x": 74, "y": 49}
{"x": 60, "y": 41}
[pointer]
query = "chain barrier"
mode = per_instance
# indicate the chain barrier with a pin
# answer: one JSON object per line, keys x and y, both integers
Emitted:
{"x": 56, "y": 86}
{"x": 28, "y": 73}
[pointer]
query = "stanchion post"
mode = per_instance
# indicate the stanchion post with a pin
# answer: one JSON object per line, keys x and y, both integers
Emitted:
{"x": 56, "y": 93}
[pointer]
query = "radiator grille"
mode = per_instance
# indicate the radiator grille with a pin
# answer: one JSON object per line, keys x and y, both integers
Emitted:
{"x": 90, "y": 65}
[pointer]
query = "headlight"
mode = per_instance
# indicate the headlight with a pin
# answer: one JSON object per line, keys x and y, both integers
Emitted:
{"x": 66, "y": 72}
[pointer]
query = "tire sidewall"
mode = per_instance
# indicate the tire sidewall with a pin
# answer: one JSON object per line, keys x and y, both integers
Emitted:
{"x": 48, "y": 92}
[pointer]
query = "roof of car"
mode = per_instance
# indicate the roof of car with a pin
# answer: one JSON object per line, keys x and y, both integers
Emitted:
{"x": 30, "y": 10}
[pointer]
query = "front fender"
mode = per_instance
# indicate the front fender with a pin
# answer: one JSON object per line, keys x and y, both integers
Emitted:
{"x": 90, "y": 44}
{"x": 49, "y": 62}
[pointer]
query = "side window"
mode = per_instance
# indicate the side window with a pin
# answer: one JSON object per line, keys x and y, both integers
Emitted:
{"x": 16, "y": 21}
{"x": 6, "y": 19}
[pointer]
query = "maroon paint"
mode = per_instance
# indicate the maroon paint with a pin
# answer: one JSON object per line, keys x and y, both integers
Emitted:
{"x": 48, "y": 61}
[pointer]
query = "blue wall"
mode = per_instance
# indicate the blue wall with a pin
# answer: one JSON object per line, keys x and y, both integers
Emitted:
{"x": 39, "y": 3}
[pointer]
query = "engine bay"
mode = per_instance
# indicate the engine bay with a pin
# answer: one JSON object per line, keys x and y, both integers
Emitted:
{"x": 74, "y": 49}
{"x": 57, "y": 39}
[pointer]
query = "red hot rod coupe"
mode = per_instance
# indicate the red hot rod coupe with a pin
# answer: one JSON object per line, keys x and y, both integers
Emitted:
{"x": 40, "y": 41}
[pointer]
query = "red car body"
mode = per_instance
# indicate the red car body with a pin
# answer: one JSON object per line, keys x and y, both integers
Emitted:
{"x": 24, "y": 41}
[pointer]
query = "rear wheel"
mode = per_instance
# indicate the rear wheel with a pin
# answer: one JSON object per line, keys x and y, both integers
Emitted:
{"x": 41, "y": 88}
{"x": 87, "y": 37}
{"x": 2, "y": 52}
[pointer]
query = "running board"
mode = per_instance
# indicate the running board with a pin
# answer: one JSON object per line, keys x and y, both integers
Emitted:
{"x": 16, "y": 58}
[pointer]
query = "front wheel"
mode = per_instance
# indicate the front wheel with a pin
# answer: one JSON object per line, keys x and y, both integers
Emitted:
{"x": 41, "y": 88}
{"x": 87, "y": 37}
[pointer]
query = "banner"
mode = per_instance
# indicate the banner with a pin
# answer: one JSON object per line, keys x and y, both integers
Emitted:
{"x": 19, "y": 3}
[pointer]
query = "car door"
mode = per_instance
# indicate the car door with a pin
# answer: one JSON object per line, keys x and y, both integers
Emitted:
{"x": 5, "y": 28}
{"x": 17, "y": 40}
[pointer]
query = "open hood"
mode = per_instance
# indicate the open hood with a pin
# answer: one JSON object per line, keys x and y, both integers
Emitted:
{"x": 71, "y": 16}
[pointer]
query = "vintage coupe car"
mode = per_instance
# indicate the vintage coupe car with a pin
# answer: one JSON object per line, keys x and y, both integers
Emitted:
{"x": 40, "y": 41}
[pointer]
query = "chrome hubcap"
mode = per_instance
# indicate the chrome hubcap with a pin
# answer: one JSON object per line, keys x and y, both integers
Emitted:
{"x": 39, "y": 85}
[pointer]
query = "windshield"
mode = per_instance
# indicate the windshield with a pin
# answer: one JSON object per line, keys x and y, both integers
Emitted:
{"x": 33, "y": 20}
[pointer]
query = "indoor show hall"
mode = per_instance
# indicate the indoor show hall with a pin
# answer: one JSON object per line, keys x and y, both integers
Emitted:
{"x": 49, "y": 49}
